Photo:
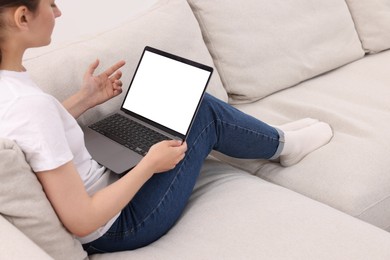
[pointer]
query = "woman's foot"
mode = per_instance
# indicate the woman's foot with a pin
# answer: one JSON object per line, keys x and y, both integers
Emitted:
{"x": 300, "y": 142}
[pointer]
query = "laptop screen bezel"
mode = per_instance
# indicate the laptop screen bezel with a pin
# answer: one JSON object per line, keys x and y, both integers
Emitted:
{"x": 170, "y": 131}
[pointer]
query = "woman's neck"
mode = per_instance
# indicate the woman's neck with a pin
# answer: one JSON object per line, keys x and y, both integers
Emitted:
{"x": 17, "y": 68}
{"x": 11, "y": 60}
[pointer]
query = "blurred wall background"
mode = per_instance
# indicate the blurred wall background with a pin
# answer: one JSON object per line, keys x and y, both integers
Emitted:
{"x": 85, "y": 17}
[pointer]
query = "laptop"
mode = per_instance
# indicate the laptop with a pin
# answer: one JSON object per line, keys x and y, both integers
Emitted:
{"x": 161, "y": 103}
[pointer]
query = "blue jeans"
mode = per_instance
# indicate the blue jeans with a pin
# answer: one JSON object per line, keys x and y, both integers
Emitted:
{"x": 160, "y": 202}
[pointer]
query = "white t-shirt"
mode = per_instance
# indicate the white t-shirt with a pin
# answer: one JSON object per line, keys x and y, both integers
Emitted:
{"x": 47, "y": 134}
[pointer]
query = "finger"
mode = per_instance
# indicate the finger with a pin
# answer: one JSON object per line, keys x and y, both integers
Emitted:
{"x": 184, "y": 146}
{"x": 181, "y": 150}
{"x": 92, "y": 67}
{"x": 117, "y": 87}
{"x": 174, "y": 143}
{"x": 114, "y": 78}
{"x": 118, "y": 84}
{"x": 116, "y": 92}
{"x": 114, "y": 67}
{"x": 117, "y": 75}
{"x": 181, "y": 157}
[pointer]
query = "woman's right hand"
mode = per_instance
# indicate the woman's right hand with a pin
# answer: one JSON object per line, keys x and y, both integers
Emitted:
{"x": 165, "y": 155}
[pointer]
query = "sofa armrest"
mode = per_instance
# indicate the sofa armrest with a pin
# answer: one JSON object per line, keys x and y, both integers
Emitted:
{"x": 15, "y": 245}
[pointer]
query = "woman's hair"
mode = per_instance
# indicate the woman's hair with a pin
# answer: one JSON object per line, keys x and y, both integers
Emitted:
{"x": 32, "y": 5}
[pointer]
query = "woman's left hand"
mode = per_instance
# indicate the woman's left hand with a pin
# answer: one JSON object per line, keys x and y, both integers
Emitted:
{"x": 100, "y": 88}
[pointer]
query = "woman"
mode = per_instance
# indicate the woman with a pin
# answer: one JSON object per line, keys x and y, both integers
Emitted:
{"x": 144, "y": 204}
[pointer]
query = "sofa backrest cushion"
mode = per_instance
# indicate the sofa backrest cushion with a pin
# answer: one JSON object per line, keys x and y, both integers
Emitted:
{"x": 24, "y": 204}
{"x": 260, "y": 47}
{"x": 169, "y": 25}
{"x": 372, "y": 20}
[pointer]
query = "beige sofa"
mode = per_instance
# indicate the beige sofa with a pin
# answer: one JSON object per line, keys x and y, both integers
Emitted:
{"x": 278, "y": 61}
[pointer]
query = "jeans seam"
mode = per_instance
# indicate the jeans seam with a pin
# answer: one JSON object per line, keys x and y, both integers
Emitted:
{"x": 250, "y": 130}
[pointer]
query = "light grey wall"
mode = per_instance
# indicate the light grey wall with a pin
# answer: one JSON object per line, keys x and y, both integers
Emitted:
{"x": 85, "y": 17}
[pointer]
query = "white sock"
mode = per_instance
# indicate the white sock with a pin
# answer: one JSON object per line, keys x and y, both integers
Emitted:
{"x": 298, "y": 124}
{"x": 301, "y": 142}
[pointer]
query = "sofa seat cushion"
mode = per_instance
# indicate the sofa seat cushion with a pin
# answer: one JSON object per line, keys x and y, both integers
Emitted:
{"x": 11, "y": 240}
{"x": 24, "y": 204}
{"x": 351, "y": 173}
{"x": 234, "y": 215}
{"x": 263, "y": 46}
{"x": 169, "y": 25}
{"x": 372, "y": 21}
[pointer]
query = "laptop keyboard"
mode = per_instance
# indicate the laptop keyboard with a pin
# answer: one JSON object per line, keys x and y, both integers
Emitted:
{"x": 129, "y": 133}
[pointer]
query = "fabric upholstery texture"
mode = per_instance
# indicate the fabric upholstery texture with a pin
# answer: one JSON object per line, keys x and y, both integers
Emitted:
{"x": 372, "y": 21}
{"x": 234, "y": 215}
{"x": 24, "y": 204}
{"x": 349, "y": 173}
{"x": 10, "y": 235}
{"x": 268, "y": 46}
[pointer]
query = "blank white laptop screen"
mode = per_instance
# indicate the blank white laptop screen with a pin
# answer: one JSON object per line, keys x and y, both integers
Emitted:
{"x": 166, "y": 91}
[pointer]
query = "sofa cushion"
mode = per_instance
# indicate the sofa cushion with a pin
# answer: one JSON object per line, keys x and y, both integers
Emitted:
{"x": 372, "y": 21}
{"x": 234, "y": 215}
{"x": 168, "y": 25}
{"x": 351, "y": 173}
{"x": 24, "y": 204}
{"x": 261, "y": 47}
{"x": 11, "y": 240}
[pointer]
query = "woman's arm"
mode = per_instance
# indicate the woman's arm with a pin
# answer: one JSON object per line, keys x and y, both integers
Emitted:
{"x": 95, "y": 89}
{"x": 82, "y": 214}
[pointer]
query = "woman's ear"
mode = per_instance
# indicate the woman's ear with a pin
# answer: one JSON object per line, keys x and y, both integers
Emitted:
{"x": 22, "y": 17}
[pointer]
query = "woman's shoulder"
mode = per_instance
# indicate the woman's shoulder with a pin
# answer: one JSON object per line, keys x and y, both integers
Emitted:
{"x": 14, "y": 84}
{"x": 23, "y": 98}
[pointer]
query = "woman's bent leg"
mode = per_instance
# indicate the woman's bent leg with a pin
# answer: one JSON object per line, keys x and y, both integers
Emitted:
{"x": 160, "y": 202}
